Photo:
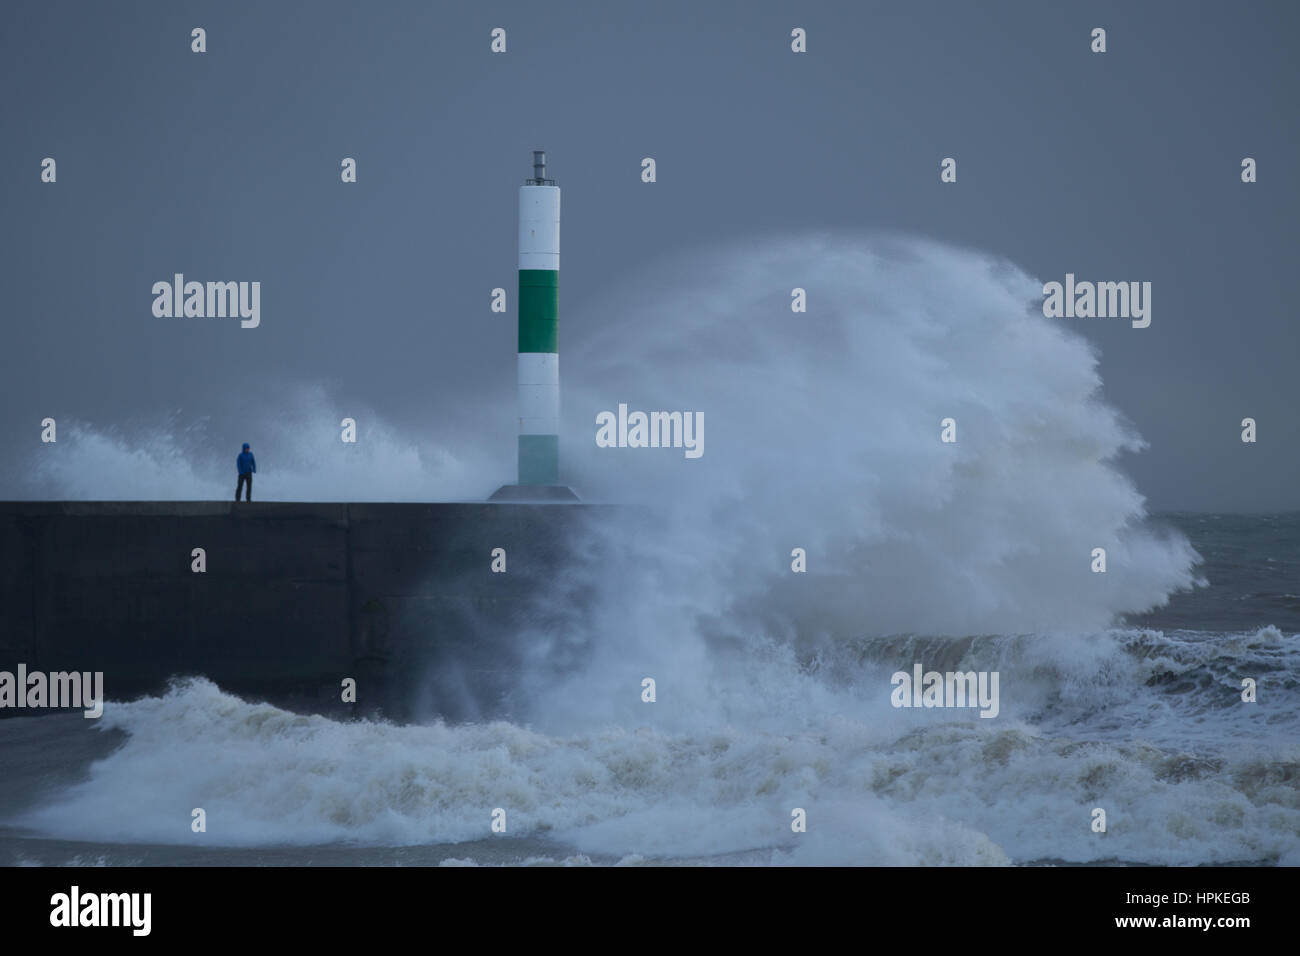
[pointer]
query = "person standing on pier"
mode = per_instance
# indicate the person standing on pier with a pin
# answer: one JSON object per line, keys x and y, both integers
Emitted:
{"x": 247, "y": 465}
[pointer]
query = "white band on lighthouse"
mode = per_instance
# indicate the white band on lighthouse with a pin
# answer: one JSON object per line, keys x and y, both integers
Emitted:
{"x": 539, "y": 393}
{"x": 539, "y": 227}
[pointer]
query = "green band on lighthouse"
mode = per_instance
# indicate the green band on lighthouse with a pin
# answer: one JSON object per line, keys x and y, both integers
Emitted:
{"x": 539, "y": 310}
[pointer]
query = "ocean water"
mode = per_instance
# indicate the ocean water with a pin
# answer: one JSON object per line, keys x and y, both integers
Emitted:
{"x": 1143, "y": 720}
{"x": 1119, "y": 690}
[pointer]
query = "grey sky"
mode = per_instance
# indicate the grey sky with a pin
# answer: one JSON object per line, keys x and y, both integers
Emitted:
{"x": 226, "y": 166}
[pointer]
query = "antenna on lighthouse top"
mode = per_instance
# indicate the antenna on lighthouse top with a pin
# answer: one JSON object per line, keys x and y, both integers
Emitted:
{"x": 539, "y": 170}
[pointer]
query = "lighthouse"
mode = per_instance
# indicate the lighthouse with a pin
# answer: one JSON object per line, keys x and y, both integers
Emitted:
{"x": 539, "y": 352}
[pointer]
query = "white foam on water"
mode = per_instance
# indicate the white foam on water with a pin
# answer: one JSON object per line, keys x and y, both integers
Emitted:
{"x": 948, "y": 793}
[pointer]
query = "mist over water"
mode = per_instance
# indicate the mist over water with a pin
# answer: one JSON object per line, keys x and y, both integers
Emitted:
{"x": 296, "y": 438}
{"x": 822, "y": 432}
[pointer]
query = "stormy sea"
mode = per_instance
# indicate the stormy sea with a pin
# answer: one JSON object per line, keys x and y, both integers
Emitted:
{"x": 827, "y": 540}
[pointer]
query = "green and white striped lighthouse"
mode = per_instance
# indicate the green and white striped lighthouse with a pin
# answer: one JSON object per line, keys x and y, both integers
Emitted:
{"x": 539, "y": 353}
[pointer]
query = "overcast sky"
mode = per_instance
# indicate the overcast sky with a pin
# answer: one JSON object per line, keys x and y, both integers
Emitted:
{"x": 225, "y": 165}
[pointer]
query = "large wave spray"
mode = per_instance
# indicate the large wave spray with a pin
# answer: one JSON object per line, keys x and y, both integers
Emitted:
{"x": 822, "y": 432}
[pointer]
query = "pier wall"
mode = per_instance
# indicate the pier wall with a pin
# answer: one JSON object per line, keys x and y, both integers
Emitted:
{"x": 295, "y": 597}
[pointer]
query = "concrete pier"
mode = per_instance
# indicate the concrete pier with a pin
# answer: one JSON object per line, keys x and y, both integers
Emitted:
{"x": 295, "y": 597}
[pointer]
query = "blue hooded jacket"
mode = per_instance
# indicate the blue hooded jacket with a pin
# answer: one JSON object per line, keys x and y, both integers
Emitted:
{"x": 246, "y": 463}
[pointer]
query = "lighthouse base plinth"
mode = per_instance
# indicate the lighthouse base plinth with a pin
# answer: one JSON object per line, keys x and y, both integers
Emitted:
{"x": 550, "y": 493}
